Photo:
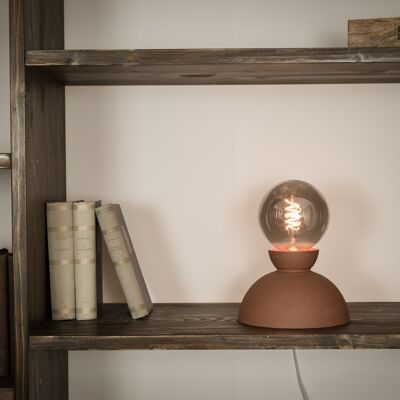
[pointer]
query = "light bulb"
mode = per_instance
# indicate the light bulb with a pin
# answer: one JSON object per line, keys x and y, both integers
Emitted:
{"x": 294, "y": 216}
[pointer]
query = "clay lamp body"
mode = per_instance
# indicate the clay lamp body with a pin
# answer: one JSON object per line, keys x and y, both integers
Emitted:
{"x": 294, "y": 217}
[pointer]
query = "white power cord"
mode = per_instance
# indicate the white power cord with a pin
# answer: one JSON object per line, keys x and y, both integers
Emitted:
{"x": 299, "y": 380}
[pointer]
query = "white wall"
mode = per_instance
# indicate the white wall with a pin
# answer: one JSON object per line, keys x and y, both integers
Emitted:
{"x": 190, "y": 166}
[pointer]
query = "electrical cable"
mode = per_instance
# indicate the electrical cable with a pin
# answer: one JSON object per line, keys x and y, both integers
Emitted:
{"x": 299, "y": 380}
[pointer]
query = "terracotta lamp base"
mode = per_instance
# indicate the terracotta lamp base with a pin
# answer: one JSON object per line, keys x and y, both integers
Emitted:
{"x": 293, "y": 297}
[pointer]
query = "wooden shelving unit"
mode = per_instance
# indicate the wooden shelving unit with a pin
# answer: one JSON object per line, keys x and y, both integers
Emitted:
{"x": 214, "y": 326}
{"x": 40, "y": 68}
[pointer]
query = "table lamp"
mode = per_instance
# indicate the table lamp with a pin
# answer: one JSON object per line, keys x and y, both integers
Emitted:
{"x": 294, "y": 216}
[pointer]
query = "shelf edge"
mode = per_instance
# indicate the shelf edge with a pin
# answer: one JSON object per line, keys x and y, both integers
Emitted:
{"x": 211, "y": 56}
{"x": 216, "y": 342}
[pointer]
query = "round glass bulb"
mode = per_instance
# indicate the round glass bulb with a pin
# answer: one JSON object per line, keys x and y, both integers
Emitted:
{"x": 294, "y": 216}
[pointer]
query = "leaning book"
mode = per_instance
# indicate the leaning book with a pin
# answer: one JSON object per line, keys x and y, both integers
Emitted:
{"x": 61, "y": 260}
{"x": 123, "y": 257}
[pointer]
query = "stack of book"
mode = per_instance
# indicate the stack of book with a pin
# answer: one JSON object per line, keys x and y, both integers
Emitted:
{"x": 5, "y": 267}
{"x": 74, "y": 255}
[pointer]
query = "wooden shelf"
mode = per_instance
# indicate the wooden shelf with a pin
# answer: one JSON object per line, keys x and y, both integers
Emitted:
{"x": 6, "y": 388}
{"x": 214, "y": 326}
{"x": 218, "y": 66}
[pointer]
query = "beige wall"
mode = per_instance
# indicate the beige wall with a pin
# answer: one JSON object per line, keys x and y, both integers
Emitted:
{"x": 190, "y": 165}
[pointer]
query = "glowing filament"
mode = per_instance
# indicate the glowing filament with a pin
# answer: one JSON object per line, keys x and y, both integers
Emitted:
{"x": 293, "y": 219}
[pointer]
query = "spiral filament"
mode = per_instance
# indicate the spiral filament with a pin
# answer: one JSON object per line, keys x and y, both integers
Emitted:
{"x": 293, "y": 219}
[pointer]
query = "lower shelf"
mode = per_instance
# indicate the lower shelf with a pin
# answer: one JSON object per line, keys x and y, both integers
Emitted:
{"x": 6, "y": 388}
{"x": 214, "y": 326}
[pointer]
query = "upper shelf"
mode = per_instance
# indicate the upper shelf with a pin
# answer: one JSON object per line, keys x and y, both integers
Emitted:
{"x": 218, "y": 66}
{"x": 214, "y": 326}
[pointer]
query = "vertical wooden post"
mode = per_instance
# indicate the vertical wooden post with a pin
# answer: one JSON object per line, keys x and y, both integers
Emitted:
{"x": 17, "y": 104}
{"x": 47, "y": 375}
{"x": 38, "y": 175}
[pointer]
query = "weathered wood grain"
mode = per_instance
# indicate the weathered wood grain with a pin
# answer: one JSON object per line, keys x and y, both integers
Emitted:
{"x": 18, "y": 183}
{"x": 214, "y": 326}
{"x": 48, "y": 375}
{"x": 44, "y": 24}
{"x": 45, "y": 180}
{"x": 38, "y": 153}
{"x": 218, "y": 66}
{"x": 376, "y": 32}
{"x": 194, "y": 57}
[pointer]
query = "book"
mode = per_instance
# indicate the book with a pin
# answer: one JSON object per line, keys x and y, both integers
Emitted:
{"x": 84, "y": 223}
{"x": 61, "y": 260}
{"x": 123, "y": 257}
{"x": 4, "y": 314}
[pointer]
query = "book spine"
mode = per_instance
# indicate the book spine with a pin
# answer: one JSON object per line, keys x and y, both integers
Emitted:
{"x": 61, "y": 260}
{"x": 4, "y": 315}
{"x": 124, "y": 259}
{"x": 85, "y": 260}
{"x": 99, "y": 266}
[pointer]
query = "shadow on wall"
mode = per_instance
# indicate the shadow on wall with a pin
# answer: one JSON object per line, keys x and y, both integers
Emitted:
{"x": 353, "y": 223}
{"x": 151, "y": 244}
{"x": 251, "y": 242}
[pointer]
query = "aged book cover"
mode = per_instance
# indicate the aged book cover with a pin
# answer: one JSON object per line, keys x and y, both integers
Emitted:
{"x": 61, "y": 260}
{"x": 4, "y": 315}
{"x": 84, "y": 222}
{"x": 119, "y": 245}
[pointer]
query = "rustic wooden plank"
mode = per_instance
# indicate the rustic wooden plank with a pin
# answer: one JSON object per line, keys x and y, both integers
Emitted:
{"x": 18, "y": 183}
{"x": 44, "y": 24}
{"x": 37, "y": 118}
{"x": 6, "y": 388}
{"x": 376, "y": 32}
{"x": 218, "y": 66}
{"x": 45, "y": 180}
{"x": 48, "y": 375}
{"x": 214, "y": 326}
{"x": 249, "y": 56}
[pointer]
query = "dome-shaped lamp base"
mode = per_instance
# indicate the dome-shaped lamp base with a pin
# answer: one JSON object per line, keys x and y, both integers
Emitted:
{"x": 293, "y": 297}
